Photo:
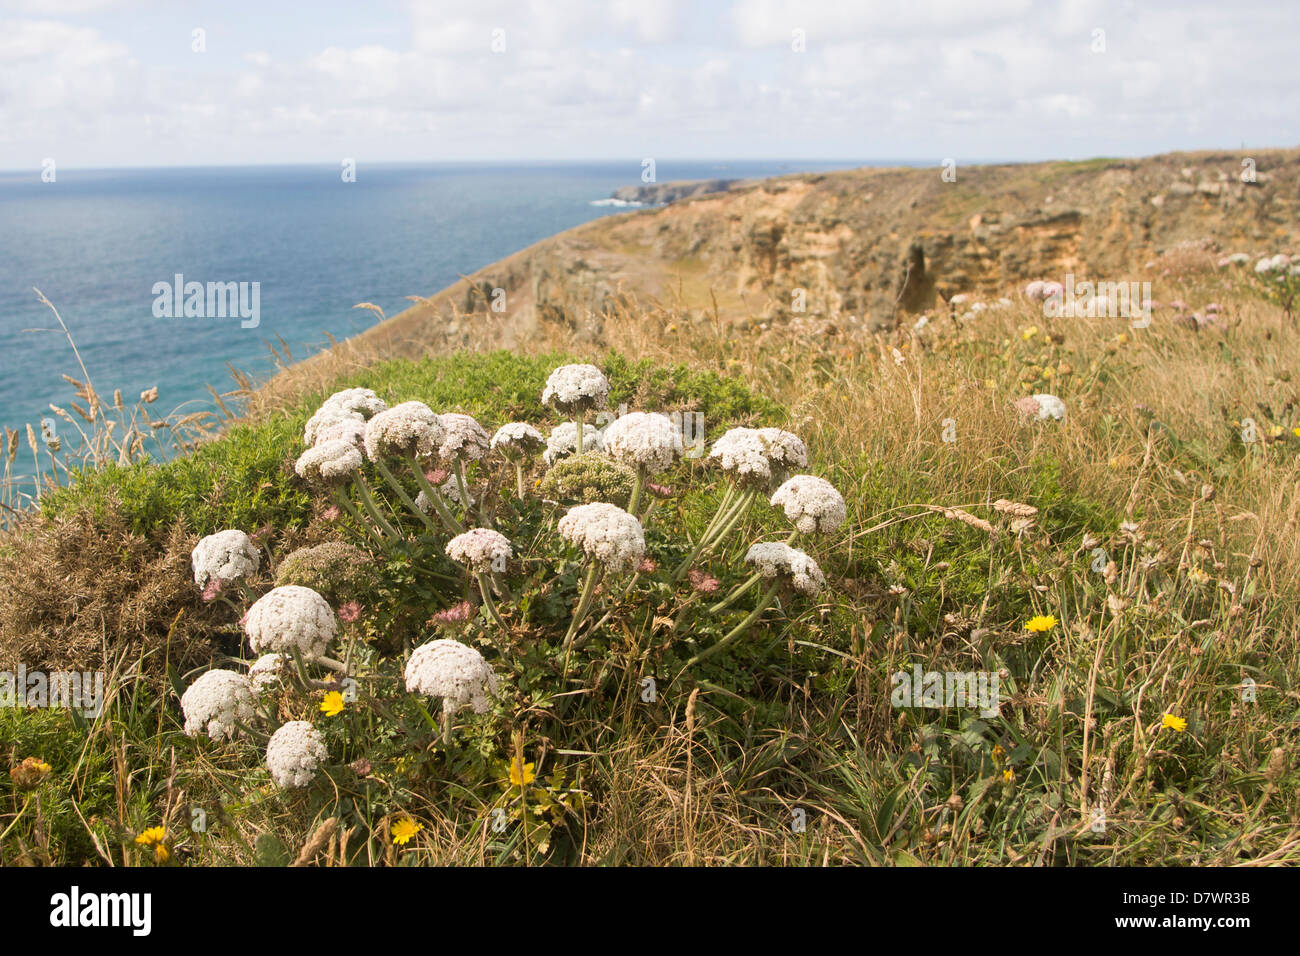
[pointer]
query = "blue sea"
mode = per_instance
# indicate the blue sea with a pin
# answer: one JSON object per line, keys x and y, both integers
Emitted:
{"x": 96, "y": 242}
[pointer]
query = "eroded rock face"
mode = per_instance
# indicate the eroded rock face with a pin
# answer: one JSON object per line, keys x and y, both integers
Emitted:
{"x": 877, "y": 246}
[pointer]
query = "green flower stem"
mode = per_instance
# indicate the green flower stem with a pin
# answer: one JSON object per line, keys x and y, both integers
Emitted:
{"x": 736, "y": 592}
{"x": 739, "y": 629}
{"x": 746, "y": 499}
{"x": 446, "y": 726}
{"x": 463, "y": 485}
{"x": 713, "y": 523}
{"x": 368, "y": 502}
{"x": 252, "y": 732}
{"x": 351, "y": 509}
{"x": 636, "y": 491}
{"x": 308, "y": 682}
{"x": 435, "y": 498}
{"x": 331, "y": 663}
{"x": 488, "y": 603}
{"x": 577, "y": 448}
{"x": 584, "y": 604}
{"x": 614, "y": 604}
{"x": 519, "y": 478}
{"x": 396, "y": 485}
{"x": 502, "y": 588}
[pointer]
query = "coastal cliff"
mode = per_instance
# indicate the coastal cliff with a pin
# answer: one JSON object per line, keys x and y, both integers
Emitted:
{"x": 871, "y": 246}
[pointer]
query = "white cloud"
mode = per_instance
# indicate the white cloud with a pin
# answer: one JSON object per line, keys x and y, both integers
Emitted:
{"x": 582, "y": 78}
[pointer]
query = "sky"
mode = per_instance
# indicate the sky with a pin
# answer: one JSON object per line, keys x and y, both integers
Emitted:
{"x": 106, "y": 83}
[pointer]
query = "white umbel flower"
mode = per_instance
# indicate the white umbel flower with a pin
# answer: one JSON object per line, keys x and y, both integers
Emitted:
{"x": 784, "y": 450}
{"x": 482, "y": 549}
{"x": 350, "y": 430}
{"x": 450, "y": 492}
{"x": 288, "y": 618}
{"x": 265, "y": 672}
{"x": 410, "y": 428}
{"x": 214, "y": 702}
{"x": 453, "y": 671}
{"x": 294, "y": 754}
{"x": 518, "y": 440}
{"x": 575, "y": 389}
{"x": 1042, "y": 406}
{"x": 743, "y": 454}
{"x": 227, "y": 555}
{"x": 563, "y": 441}
{"x": 606, "y": 533}
{"x": 811, "y": 503}
{"x": 351, "y": 404}
{"x": 328, "y": 462}
{"x": 463, "y": 438}
{"x": 645, "y": 440}
{"x": 776, "y": 558}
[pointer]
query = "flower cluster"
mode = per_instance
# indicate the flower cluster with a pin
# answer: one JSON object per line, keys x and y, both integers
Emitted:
{"x": 575, "y": 389}
{"x": 463, "y": 439}
{"x": 224, "y": 556}
{"x": 811, "y": 503}
{"x": 563, "y": 441}
{"x": 606, "y": 533}
{"x": 453, "y": 671}
{"x": 644, "y": 440}
{"x": 481, "y": 549}
{"x": 295, "y": 753}
{"x": 216, "y": 702}
{"x": 773, "y": 559}
{"x": 330, "y": 460}
{"x": 405, "y": 430}
{"x": 349, "y": 405}
{"x": 291, "y": 619}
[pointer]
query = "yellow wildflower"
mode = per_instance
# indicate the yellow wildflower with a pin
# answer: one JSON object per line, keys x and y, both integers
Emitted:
{"x": 155, "y": 837}
{"x": 521, "y": 778}
{"x": 29, "y": 774}
{"x": 404, "y": 829}
{"x": 1173, "y": 723}
{"x": 1040, "y": 623}
{"x": 1009, "y": 775}
{"x": 332, "y": 705}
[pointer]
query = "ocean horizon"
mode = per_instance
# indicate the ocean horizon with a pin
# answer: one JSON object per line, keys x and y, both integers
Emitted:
{"x": 102, "y": 244}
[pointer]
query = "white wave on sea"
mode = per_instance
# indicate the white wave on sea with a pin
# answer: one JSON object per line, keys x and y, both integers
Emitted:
{"x": 616, "y": 202}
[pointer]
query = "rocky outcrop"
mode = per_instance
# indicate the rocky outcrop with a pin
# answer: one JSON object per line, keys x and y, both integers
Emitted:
{"x": 658, "y": 194}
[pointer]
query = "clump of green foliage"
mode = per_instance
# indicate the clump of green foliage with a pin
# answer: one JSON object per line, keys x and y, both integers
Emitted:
{"x": 339, "y": 571}
{"x": 587, "y": 478}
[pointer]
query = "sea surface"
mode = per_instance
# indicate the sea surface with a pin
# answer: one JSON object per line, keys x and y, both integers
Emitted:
{"x": 97, "y": 242}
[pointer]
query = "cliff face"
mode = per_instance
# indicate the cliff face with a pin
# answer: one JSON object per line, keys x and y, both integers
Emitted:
{"x": 880, "y": 244}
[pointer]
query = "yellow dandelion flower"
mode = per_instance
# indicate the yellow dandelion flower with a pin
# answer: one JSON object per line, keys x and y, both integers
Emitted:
{"x": 1296, "y": 431}
{"x": 1173, "y": 723}
{"x": 404, "y": 829}
{"x": 332, "y": 705}
{"x": 161, "y": 853}
{"x": 521, "y": 778}
{"x": 1029, "y": 333}
{"x": 1009, "y": 775}
{"x": 998, "y": 753}
{"x": 1040, "y": 623}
